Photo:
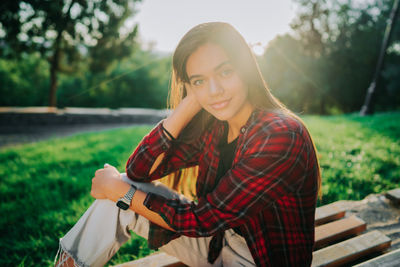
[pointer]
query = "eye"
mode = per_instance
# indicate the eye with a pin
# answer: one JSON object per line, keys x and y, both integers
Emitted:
{"x": 226, "y": 72}
{"x": 198, "y": 82}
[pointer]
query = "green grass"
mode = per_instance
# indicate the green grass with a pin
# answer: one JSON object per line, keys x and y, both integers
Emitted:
{"x": 358, "y": 155}
{"x": 44, "y": 187}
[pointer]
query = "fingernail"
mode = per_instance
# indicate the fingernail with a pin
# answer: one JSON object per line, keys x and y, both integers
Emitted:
{"x": 106, "y": 164}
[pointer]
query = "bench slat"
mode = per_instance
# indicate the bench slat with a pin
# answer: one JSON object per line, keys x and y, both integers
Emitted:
{"x": 154, "y": 260}
{"x": 390, "y": 259}
{"x": 394, "y": 195}
{"x": 352, "y": 249}
{"x": 330, "y": 212}
{"x": 336, "y": 230}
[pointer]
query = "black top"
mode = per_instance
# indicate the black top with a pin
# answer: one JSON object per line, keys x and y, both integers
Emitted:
{"x": 226, "y": 155}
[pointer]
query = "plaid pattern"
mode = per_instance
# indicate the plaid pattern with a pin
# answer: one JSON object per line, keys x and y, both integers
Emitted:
{"x": 269, "y": 193}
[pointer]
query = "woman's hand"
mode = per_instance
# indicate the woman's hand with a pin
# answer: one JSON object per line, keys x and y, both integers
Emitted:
{"x": 194, "y": 105}
{"x": 183, "y": 113}
{"x": 103, "y": 181}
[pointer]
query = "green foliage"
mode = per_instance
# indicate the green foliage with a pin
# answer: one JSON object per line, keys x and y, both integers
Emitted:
{"x": 44, "y": 187}
{"x": 67, "y": 33}
{"x": 24, "y": 81}
{"x": 326, "y": 65}
{"x": 140, "y": 80}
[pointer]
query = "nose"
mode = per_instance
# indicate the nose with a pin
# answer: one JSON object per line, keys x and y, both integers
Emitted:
{"x": 215, "y": 87}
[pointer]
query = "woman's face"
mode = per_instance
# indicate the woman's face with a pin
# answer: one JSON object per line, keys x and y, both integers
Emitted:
{"x": 216, "y": 83}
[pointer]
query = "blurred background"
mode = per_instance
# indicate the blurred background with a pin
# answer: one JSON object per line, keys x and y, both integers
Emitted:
{"x": 317, "y": 56}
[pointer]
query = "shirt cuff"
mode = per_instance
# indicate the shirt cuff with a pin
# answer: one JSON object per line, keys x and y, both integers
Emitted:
{"x": 158, "y": 141}
{"x": 154, "y": 202}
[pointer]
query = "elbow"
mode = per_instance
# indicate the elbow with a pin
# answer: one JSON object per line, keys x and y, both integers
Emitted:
{"x": 134, "y": 173}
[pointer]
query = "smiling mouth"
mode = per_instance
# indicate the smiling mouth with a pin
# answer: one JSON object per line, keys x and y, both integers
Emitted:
{"x": 221, "y": 104}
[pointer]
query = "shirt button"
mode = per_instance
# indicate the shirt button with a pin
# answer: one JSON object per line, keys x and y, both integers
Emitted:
{"x": 164, "y": 147}
{"x": 243, "y": 129}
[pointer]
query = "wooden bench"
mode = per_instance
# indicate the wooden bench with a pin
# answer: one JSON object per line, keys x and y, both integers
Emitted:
{"x": 339, "y": 240}
{"x": 337, "y": 230}
{"x": 351, "y": 249}
{"x": 394, "y": 195}
{"x": 329, "y": 213}
{"x": 157, "y": 259}
{"x": 389, "y": 259}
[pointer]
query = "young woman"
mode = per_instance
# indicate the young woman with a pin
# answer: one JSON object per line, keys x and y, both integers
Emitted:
{"x": 258, "y": 174}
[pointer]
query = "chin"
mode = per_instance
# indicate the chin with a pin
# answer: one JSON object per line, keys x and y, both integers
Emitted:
{"x": 222, "y": 115}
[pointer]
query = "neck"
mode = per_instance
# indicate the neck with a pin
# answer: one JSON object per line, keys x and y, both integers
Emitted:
{"x": 239, "y": 120}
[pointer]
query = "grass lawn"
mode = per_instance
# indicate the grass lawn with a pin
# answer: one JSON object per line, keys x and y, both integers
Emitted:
{"x": 44, "y": 187}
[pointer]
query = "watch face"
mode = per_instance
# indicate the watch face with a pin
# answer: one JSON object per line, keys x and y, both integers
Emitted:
{"x": 122, "y": 205}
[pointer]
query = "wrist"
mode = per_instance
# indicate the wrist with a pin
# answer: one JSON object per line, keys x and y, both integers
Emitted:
{"x": 116, "y": 189}
{"x": 191, "y": 106}
{"x": 181, "y": 116}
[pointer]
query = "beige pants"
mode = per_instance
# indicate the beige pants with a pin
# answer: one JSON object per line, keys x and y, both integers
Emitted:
{"x": 104, "y": 228}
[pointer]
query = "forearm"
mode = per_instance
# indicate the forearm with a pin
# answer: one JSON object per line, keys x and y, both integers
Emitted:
{"x": 181, "y": 116}
{"x": 120, "y": 188}
{"x": 175, "y": 122}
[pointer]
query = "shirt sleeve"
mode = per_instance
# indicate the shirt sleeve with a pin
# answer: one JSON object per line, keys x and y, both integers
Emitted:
{"x": 273, "y": 166}
{"x": 178, "y": 155}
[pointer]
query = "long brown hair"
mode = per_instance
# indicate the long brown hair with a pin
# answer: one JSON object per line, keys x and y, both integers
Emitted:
{"x": 241, "y": 56}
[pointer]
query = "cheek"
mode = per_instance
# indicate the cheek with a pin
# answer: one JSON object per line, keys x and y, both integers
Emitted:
{"x": 238, "y": 88}
{"x": 244, "y": 91}
{"x": 201, "y": 97}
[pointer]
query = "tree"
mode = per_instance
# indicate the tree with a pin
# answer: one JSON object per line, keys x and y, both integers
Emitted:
{"x": 312, "y": 25}
{"x": 66, "y": 32}
{"x": 140, "y": 80}
{"x": 326, "y": 64}
{"x": 368, "y": 107}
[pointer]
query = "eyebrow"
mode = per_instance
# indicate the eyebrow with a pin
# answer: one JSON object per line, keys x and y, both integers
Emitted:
{"x": 216, "y": 68}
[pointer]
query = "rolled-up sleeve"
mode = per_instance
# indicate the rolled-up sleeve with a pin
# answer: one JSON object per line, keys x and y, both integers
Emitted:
{"x": 178, "y": 155}
{"x": 273, "y": 166}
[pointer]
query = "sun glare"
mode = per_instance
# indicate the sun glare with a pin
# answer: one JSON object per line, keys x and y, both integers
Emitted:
{"x": 257, "y": 48}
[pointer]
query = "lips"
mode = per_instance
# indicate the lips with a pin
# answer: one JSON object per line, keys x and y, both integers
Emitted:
{"x": 220, "y": 104}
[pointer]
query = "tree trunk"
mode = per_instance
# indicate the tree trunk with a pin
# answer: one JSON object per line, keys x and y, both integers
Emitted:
{"x": 370, "y": 99}
{"x": 54, "y": 67}
{"x": 322, "y": 106}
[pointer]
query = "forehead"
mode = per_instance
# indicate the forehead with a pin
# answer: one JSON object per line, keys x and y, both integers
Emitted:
{"x": 205, "y": 59}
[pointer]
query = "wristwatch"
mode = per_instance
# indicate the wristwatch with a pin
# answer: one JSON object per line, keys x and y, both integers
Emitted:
{"x": 125, "y": 201}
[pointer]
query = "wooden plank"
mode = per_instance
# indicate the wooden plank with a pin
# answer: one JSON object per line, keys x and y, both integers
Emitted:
{"x": 394, "y": 195}
{"x": 350, "y": 250}
{"x": 154, "y": 260}
{"x": 390, "y": 259}
{"x": 336, "y": 230}
{"x": 330, "y": 212}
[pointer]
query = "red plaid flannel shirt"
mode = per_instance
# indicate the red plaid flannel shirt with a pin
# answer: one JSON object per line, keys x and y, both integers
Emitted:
{"x": 269, "y": 193}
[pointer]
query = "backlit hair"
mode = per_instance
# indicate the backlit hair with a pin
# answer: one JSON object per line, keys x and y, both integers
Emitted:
{"x": 245, "y": 63}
